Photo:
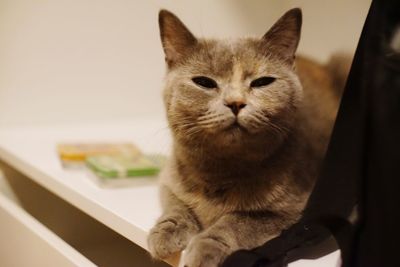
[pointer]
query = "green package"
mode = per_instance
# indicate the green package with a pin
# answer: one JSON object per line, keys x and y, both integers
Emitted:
{"x": 120, "y": 166}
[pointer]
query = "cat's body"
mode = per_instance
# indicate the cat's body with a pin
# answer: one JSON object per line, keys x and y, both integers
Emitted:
{"x": 246, "y": 149}
{"x": 213, "y": 185}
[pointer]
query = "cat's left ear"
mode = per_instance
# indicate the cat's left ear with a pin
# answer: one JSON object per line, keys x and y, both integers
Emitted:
{"x": 176, "y": 39}
{"x": 284, "y": 36}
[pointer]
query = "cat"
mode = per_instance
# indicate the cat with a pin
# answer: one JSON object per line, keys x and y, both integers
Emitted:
{"x": 250, "y": 123}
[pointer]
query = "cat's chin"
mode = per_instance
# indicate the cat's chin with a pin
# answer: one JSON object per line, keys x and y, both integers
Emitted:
{"x": 239, "y": 128}
{"x": 234, "y": 134}
{"x": 236, "y": 127}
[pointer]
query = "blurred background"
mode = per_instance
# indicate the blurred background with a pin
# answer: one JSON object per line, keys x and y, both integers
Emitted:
{"x": 80, "y": 61}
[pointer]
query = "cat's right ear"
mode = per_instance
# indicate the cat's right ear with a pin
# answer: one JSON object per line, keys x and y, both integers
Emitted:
{"x": 284, "y": 36}
{"x": 176, "y": 39}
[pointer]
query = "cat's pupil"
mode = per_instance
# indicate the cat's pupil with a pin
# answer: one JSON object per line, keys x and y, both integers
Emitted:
{"x": 205, "y": 82}
{"x": 263, "y": 81}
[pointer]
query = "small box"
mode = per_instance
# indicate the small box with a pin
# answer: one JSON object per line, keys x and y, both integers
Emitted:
{"x": 120, "y": 170}
{"x": 75, "y": 154}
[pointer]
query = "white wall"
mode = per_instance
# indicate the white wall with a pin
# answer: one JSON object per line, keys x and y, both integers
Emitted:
{"x": 82, "y": 60}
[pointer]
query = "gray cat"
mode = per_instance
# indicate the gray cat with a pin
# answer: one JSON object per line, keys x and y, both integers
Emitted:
{"x": 249, "y": 132}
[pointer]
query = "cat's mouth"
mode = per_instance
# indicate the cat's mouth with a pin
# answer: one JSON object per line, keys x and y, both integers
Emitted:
{"x": 236, "y": 126}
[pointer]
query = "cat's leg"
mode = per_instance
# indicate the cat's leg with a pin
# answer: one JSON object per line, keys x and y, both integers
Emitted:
{"x": 230, "y": 233}
{"x": 173, "y": 230}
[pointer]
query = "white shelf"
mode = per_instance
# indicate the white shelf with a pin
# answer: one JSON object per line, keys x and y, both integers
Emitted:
{"x": 27, "y": 237}
{"x": 131, "y": 211}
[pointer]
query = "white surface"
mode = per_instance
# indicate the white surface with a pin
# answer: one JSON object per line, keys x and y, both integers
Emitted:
{"x": 24, "y": 241}
{"x": 330, "y": 260}
{"x": 129, "y": 211}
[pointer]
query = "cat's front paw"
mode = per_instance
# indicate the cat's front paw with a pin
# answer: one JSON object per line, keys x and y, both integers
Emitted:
{"x": 168, "y": 237}
{"x": 206, "y": 251}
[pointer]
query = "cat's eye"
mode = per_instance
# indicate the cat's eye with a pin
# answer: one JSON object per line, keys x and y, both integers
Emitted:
{"x": 205, "y": 82}
{"x": 263, "y": 81}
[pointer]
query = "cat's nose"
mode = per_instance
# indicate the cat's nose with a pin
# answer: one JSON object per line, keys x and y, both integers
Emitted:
{"x": 235, "y": 106}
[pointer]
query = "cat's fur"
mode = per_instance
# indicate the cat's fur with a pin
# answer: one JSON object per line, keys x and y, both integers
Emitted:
{"x": 236, "y": 181}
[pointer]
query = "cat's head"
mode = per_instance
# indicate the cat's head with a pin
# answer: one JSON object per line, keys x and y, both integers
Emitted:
{"x": 231, "y": 93}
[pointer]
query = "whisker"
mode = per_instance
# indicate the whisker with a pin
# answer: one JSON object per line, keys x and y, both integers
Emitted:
{"x": 210, "y": 122}
{"x": 209, "y": 117}
{"x": 192, "y": 133}
{"x": 278, "y": 129}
